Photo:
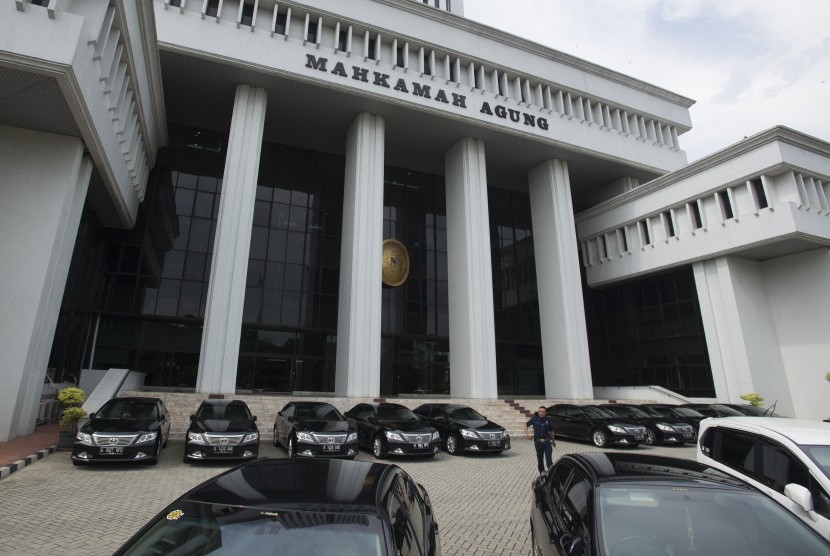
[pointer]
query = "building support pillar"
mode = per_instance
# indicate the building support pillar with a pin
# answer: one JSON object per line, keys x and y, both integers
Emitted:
{"x": 469, "y": 268}
{"x": 359, "y": 306}
{"x": 567, "y": 365}
{"x": 219, "y": 355}
{"x": 43, "y": 184}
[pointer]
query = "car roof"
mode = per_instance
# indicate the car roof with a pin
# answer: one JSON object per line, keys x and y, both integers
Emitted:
{"x": 310, "y": 484}
{"x": 800, "y": 431}
{"x": 616, "y": 466}
{"x": 309, "y": 404}
{"x": 139, "y": 399}
{"x": 213, "y": 401}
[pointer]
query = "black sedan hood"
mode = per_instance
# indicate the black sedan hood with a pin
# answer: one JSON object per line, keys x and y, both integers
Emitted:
{"x": 222, "y": 425}
{"x": 120, "y": 425}
{"x": 407, "y": 426}
{"x": 476, "y": 424}
{"x": 314, "y": 425}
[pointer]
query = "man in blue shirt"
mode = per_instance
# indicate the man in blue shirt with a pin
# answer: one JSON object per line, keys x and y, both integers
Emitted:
{"x": 543, "y": 438}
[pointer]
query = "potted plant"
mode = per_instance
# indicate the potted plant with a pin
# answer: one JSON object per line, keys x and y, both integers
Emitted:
{"x": 71, "y": 398}
{"x": 753, "y": 399}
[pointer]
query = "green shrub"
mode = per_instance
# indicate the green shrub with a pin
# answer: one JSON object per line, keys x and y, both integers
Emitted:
{"x": 753, "y": 399}
{"x": 71, "y": 399}
{"x": 71, "y": 396}
{"x": 71, "y": 416}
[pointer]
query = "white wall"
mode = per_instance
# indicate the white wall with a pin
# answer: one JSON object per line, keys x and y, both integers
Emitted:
{"x": 798, "y": 289}
{"x": 43, "y": 183}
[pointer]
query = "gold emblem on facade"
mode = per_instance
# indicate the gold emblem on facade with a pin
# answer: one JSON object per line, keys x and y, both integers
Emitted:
{"x": 395, "y": 263}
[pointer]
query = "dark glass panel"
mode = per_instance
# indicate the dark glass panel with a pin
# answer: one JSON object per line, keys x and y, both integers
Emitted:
{"x": 259, "y": 242}
{"x": 200, "y": 235}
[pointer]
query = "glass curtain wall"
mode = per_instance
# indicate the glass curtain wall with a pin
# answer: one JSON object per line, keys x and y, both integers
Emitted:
{"x": 649, "y": 332}
{"x": 290, "y": 316}
{"x": 415, "y": 322}
{"x": 515, "y": 300}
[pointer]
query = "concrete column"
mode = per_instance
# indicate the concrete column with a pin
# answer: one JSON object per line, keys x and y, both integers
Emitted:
{"x": 43, "y": 183}
{"x": 561, "y": 310}
{"x": 226, "y": 293}
{"x": 359, "y": 307}
{"x": 472, "y": 330}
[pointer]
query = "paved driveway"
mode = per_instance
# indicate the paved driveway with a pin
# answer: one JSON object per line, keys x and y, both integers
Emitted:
{"x": 52, "y": 507}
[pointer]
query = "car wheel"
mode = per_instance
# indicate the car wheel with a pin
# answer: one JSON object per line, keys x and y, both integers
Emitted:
{"x": 452, "y": 444}
{"x": 377, "y": 447}
{"x": 600, "y": 438}
{"x": 651, "y": 438}
{"x": 292, "y": 447}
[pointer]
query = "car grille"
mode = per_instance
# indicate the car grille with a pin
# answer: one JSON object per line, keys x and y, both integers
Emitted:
{"x": 223, "y": 439}
{"x": 684, "y": 428}
{"x": 490, "y": 435}
{"x": 423, "y": 437}
{"x": 330, "y": 438}
{"x": 114, "y": 439}
{"x": 637, "y": 431}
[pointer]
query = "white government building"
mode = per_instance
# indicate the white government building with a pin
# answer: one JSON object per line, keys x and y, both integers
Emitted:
{"x": 202, "y": 191}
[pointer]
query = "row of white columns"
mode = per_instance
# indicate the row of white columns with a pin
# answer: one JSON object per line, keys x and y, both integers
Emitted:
{"x": 471, "y": 322}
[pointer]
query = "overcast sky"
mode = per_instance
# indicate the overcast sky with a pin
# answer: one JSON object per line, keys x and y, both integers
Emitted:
{"x": 748, "y": 64}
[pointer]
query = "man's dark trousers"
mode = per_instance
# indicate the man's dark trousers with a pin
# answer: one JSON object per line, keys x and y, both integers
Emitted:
{"x": 544, "y": 448}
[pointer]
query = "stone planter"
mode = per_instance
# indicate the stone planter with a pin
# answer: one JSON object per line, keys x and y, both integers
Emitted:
{"x": 65, "y": 440}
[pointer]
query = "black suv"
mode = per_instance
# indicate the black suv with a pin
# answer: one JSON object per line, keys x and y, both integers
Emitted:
{"x": 314, "y": 429}
{"x": 462, "y": 428}
{"x": 124, "y": 429}
{"x": 392, "y": 429}
{"x": 592, "y": 423}
{"x": 659, "y": 430}
{"x": 220, "y": 430}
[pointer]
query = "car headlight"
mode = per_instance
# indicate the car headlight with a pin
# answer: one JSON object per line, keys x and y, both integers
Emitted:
{"x": 616, "y": 429}
{"x": 665, "y": 428}
{"x": 352, "y": 437}
{"x": 436, "y": 435}
{"x": 196, "y": 437}
{"x": 84, "y": 437}
{"x": 148, "y": 437}
{"x": 505, "y": 434}
{"x": 250, "y": 437}
{"x": 305, "y": 437}
{"x": 468, "y": 434}
{"x": 394, "y": 436}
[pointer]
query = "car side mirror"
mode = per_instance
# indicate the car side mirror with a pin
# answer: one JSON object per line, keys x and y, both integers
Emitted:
{"x": 800, "y": 495}
{"x": 192, "y": 416}
{"x": 92, "y": 415}
{"x": 254, "y": 417}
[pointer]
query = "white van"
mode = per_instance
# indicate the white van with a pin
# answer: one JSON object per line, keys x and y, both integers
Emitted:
{"x": 788, "y": 459}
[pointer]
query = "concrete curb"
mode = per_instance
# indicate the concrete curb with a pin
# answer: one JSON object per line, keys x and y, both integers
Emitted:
{"x": 28, "y": 460}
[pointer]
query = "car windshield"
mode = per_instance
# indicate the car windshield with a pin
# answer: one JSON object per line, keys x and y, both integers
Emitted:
{"x": 323, "y": 412}
{"x": 235, "y": 412}
{"x": 395, "y": 413}
{"x": 652, "y": 520}
{"x": 820, "y": 454}
{"x": 687, "y": 412}
{"x": 123, "y": 409}
{"x": 466, "y": 414}
{"x": 197, "y": 529}
{"x": 726, "y": 410}
{"x": 597, "y": 413}
{"x": 637, "y": 412}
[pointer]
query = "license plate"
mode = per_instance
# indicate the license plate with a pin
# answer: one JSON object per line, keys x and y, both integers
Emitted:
{"x": 331, "y": 447}
{"x": 639, "y": 436}
{"x": 421, "y": 445}
{"x": 688, "y": 435}
{"x": 494, "y": 443}
{"x": 223, "y": 449}
{"x": 111, "y": 450}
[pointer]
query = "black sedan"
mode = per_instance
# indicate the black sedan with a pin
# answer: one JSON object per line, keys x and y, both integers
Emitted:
{"x": 713, "y": 409}
{"x": 315, "y": 429}
{"x": 668, "y": 411}
{"x": 220, "y": 430}
{"x": 123, "y": 429}
{"x": 392, "y": 429}
{"x": 659, "y": 430}
{"x": 625, "y": 504}
{"x": 463, "y": 429}
{"x": 591, "y": 423}
{"x": 293, "y": 506}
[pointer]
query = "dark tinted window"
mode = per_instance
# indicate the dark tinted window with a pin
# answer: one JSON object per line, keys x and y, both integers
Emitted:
{"x": 557, "y": 483}
{"x": 779, "y": 467}
{"x": 575, "y": 506}
{"x": 735, "y": 449}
